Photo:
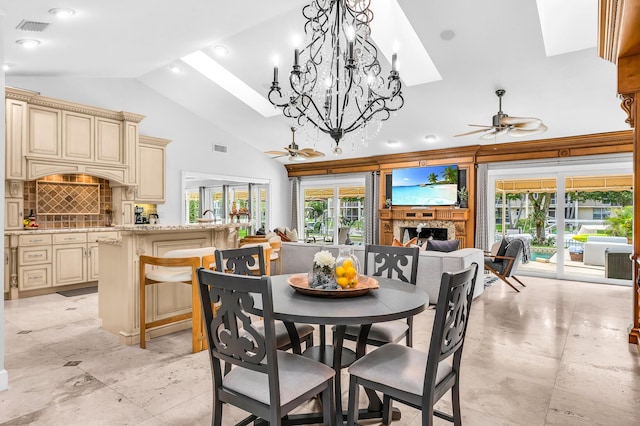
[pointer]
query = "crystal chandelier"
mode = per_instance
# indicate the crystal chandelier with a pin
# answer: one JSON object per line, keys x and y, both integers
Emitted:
{"x": 336, "y": 83}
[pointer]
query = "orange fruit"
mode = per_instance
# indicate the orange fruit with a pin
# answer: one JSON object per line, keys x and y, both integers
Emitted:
{"x": 342, "y": 282}
{"x": 347, "y": 263}
{"x": 340, "y": 271}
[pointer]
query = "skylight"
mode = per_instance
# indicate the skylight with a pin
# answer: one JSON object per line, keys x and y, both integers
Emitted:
{"x": 205, "y": 65}
{"x": 390, "y": 26}
{"x": 568, "y": 25}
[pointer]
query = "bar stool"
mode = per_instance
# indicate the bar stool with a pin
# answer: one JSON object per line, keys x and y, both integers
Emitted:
{"x": 176, "y": 266}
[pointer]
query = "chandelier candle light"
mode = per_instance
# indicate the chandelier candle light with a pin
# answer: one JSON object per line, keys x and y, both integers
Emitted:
{"x": 336, "y": 83}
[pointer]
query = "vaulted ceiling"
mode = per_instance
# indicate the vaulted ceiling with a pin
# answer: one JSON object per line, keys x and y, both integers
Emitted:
{"x": 496, "y": 44}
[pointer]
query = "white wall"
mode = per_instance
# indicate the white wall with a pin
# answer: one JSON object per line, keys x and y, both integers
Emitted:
{"x": 192, "y": 137}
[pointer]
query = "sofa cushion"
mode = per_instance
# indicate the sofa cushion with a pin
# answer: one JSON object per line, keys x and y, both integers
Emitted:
{"x": 444, "y": 246}
{"x": 292, "y": 234}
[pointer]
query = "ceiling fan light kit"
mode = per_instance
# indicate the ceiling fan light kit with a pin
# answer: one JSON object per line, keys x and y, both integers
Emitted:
{"x": 502, "y": 124}
{"x": 335, "y": 84}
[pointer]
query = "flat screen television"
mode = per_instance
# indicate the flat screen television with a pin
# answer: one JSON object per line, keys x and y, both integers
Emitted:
{"x": 425, "y": 186}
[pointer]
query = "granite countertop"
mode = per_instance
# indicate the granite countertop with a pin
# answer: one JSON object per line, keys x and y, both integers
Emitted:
{"x": 59, "y": 230}
{"x": 134, "y": 228}
{"x": 181, "y": 227}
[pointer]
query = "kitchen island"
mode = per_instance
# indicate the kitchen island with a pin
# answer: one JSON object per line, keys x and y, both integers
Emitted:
{"x": 118, "y": 298}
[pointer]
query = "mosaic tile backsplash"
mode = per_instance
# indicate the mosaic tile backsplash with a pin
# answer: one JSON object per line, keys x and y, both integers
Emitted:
{"x": 65, "y": 203}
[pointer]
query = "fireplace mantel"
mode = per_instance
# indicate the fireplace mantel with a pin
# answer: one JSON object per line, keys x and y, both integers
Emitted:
{"x": 396, "y": 218}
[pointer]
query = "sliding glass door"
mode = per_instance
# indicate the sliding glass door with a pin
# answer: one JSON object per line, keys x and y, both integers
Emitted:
{"x": 332, "y": 211}
{"x": 576, "y": 221}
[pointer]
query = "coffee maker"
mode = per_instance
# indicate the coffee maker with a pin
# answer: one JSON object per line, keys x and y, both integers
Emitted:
{"x": 139, "y": 211}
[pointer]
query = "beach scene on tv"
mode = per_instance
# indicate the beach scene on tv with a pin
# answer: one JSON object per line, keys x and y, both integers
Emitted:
{"x": 425, "y": 186}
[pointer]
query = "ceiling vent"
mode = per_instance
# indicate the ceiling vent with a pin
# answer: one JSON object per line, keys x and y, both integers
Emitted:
{"x": 220, "y": 148}
{"x": 32, "y": 26}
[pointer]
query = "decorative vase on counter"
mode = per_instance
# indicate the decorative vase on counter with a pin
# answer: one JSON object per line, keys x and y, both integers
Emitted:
{"x": 347, "y": 268}
{"x": 321, "y": 274}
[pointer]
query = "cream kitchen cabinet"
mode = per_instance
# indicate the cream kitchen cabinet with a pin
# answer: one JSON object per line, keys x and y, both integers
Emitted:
{"x": 109, "y": 145}
{"x": 34, "y": 262}
{"x": 70, "y": 258}
{"x": 91, "y": 139}
{"x": 151, "y": 170}
{"x": 92, "y": 252}
{"x": 15, "y": 138}
{"x": 13, "y": 213}
{"x": 44, "y": 132}
{"x": 77, "y": 136}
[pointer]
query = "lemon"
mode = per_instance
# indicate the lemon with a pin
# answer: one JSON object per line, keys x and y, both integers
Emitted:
{"x": 340, "y": 271}
{"x": 342, "y": 282}
{"x": 348, "y": 263}
{"x": 350, "y": 272}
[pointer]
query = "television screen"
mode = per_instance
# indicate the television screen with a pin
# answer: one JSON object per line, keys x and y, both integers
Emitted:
{"x": 425, "y": 186}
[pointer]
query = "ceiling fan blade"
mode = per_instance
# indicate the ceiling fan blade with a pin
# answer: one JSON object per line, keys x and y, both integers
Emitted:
{"x": 311, "y": 152}
{"x": 495, "y": 134}
{"x": 519, "y": 132}
{"x": 527, "y": 126}
{"x": 472, "y": 132}
{"x": 480, "y": 125}
{"x": 519, "y": 120}
{"x": 279, "y": 153}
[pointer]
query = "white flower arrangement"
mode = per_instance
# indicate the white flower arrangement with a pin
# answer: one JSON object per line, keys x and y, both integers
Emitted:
{"x": 419, "y": 227}
{"x": 324, "y": 258}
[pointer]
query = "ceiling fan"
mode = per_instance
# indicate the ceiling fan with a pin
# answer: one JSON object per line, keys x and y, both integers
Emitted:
{"x": 503, "y": 124}
{"x": 294, "y": 152}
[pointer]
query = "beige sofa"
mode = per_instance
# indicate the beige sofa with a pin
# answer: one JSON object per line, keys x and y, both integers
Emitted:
{"x": 298, "y": 258}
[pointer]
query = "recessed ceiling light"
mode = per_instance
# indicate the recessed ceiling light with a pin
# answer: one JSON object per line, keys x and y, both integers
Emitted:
{"x": 175, "y": 69}
{"x": 221, "y": 50}
{"x": 447, "y": 35}
{"x": 392, "y": 142}
{"x": 28, "y": 43}
{"x": 431, "y": 138}
{"x": 62, "y": 12}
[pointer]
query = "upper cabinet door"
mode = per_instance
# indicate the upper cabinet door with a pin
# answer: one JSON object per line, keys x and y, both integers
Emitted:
{"x": 77, "y": 134}
{"x": 151, "y": 170}
{"x": 16, "y": 138}
{"x": 44, "y": 131}
{"x": 109, "y": 141}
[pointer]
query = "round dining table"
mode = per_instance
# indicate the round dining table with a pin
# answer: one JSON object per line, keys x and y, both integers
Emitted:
{"x": 393, "y": 300}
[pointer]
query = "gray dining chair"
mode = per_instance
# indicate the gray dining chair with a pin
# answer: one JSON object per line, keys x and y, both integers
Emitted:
{"x": 400, "y": 263}
{"x": 266, "y": 382}
{"x": 416, "y": 378}
{"x": 246, "y": 261}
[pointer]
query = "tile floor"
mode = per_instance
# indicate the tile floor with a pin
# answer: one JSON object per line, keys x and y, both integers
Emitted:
{"x": 554, "y": 354}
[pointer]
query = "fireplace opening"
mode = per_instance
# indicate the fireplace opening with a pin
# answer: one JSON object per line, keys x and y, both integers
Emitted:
{"x": 428, "y": 233}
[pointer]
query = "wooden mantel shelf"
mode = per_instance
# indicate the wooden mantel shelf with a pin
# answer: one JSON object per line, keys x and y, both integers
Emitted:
{"x": 427, "y": 213}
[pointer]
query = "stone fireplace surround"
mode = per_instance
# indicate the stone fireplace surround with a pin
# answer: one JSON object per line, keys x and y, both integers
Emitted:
{"x": 400, "y": 225}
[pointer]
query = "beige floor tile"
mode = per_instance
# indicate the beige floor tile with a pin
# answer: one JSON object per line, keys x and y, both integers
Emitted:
{"x": 553, "y": 354}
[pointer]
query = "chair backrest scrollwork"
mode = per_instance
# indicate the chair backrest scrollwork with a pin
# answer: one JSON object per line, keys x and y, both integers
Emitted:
{"x": 399, "y": 263}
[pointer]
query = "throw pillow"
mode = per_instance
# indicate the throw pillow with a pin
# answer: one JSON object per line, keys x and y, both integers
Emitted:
{"x": 444, "y": 246}
{"x": 292, "y": 234}
{"x": 409, "y": 243}
{"x": 282, "y": 236}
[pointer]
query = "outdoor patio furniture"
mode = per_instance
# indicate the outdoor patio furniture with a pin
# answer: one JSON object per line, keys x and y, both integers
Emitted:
{"x": 596, "y": 245}
{"x": 618, "y": 264}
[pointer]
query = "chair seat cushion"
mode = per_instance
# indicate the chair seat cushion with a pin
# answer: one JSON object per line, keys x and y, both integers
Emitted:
{"x": 170, "y": 275}
{"x": 297, "y": 375}
{"x": 282, "y": 336}
{"x": 496, "y": 265}
{"x": 390, "y": 331}
{"x": 397, "y": 366}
